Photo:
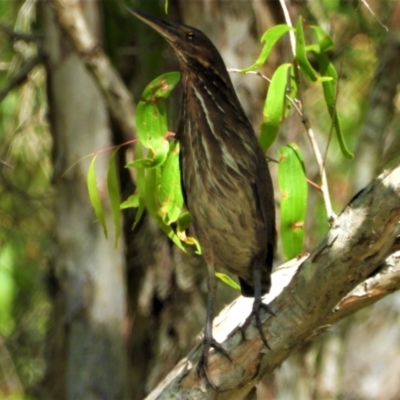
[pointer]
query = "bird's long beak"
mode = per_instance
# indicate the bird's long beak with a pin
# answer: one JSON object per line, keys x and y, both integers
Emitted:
{"x": 167, "y": 30}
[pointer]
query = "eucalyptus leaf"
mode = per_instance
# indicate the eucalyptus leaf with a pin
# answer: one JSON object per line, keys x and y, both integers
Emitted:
{"x": 275, "y": 107}
{"x": 301, "y": 53}
{"x": 227, "y": 280}
{"x": 94, "y": 195}
{"x": 270, "y": 37}
{"x": 329, "y": 88}
{"x": 169, "y": 190}
{"x": 114, "y": 196}
{"x": 293, "y": 190}
{"x": 151, "y": 119}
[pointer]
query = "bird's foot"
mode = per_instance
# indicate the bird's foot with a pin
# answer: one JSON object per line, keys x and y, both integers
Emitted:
{"x": 258, "y": 305}
{"x": 202, "y": 366}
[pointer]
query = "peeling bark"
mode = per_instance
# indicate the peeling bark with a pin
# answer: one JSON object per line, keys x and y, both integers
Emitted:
{"x": 317, "y": 296}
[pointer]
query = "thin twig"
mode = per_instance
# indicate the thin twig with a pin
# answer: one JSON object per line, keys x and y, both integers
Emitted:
{"x": 313, "y": 184}
{"x": 21, "y": 76}
{"x": 258, "y": 73}
{"x": 321, "y": 167}
{"x": 370, "y": 10}
{"x": 289, "y": 23}
{"x": 17, "y": 35}
{"x": 236, "y": 70}
{"x": 6, "y": 164}
{"x": 317, "y": 153}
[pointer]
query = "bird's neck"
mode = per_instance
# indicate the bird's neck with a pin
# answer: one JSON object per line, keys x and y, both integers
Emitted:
{"x": 210, "y": 105}
{"x": 211, "y": 85}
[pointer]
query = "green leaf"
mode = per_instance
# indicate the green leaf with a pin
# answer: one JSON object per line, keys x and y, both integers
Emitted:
{"x": 133, "y": 201}
{"x": 157, "y": 177}
{"x": 8, "y": 287}
{"x": 301, "y": 53}
{"x": 115, "y": 196}
{"x": 327, "y": 75}
{"x": 143, "y": 163}
{"x": 227, "y": 280}
{"x": 276, "y": 106}
{"x": 171, "y": 234}
{"x": 151, "y": 119}
{"x": 160, "y": 87}
{"x": 325, "y": 42}
{"x": 151, "y": 124}
{"x": 184, "y": 221}
{"x": 141, "y": 185}
{"x": 170, "y": 191}
{"x": 139, "y": 213}
{"x": 149, "y": 194}
{"x": 323, "y": 79}
{"x": 183, "y": 224}
{"x": 151, "y": 205}
{"x": 293, "y": 190}
{"x": 270, "y": 37}
{"x": 140, "y": 173}
{"x": 95, "y": 196}
{"x": 329, "y": 88}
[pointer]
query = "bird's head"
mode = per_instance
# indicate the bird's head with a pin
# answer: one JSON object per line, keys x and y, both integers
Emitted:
{"x": 192, "y": 47}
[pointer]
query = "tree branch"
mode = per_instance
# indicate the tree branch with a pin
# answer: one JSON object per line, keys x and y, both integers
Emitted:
{"x": 21, "y": 76}
{"x": 117, "y": 97}
{"x": 381, "y": 284}
{"x": 17, "y": 35}
{"x": 348, "y": 270}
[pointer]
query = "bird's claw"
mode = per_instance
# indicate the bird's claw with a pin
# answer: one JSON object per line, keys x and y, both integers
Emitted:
{"x": 257, "y": 306}
{"x": 202, "y": 366}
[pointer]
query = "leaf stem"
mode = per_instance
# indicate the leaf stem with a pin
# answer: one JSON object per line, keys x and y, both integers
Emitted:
{"x": 310, "y": 133}
{"x": 289, "y": 23}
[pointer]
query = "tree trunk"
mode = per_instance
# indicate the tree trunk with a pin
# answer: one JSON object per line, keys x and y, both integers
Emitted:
{"x": 86, "y": 352}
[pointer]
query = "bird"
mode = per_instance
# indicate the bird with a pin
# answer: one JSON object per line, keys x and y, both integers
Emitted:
{"x": 225, "y": 177}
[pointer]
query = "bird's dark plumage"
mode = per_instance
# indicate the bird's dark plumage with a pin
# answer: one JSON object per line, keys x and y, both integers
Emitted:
{"x": 225, "y": 176}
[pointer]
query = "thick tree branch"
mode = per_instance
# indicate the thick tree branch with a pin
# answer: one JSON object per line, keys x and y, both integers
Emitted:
{"x": 348, "y": 270}
{"x": 384, "y": 282}
{"x": 70, "y": 18}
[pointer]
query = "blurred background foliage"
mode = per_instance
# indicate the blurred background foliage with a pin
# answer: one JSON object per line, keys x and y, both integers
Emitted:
{"x": 26, "y": 210}
{"x": 26, "y": 194}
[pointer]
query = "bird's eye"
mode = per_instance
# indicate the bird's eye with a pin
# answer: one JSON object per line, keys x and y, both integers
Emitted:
{"x": 190, "y": 35}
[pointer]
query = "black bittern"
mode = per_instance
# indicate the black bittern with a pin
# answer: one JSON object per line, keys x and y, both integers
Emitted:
{"x": 225, "y": 177}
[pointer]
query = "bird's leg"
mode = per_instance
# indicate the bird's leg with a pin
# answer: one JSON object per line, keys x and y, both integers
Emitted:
{"x": 209, "y": 341}
{"x": 258, "y": 305}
